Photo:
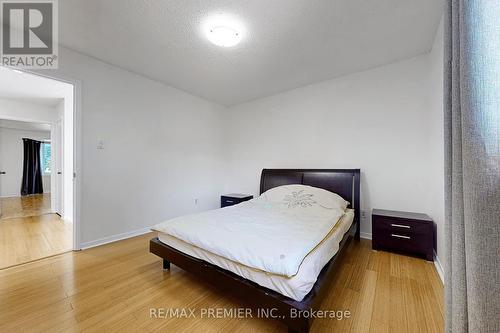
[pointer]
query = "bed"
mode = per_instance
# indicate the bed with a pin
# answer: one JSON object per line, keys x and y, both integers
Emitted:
{"x": 302, "y": 290}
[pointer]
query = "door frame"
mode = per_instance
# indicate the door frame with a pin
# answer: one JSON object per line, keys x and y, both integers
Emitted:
{"x": 77, "y": 147}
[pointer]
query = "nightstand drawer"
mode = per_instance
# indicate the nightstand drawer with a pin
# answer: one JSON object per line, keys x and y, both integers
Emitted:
{"x": 400, "y": 225}
{"x": 224, "y": 201}
{"x": 403, "y": 232}
{"x": 396, "y": 240}
{"x": 233, "y": 199}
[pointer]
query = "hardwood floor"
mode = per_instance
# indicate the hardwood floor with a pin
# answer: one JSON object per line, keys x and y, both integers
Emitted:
{"x": 113, "y": 287}
{"x": 32, "y": 205}
{"x": 26, "y": 239}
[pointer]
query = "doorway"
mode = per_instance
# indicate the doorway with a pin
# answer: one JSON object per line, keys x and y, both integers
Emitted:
{"x": 36, "y": 167}
{"x": 15, "y": 201}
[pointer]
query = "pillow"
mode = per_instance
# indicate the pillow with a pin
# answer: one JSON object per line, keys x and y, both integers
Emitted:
{"x": 293, "y": 196}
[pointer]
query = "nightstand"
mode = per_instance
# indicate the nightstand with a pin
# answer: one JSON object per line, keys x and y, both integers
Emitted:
{"x": 403, "y": 232}
{"x": 233, "y": 199}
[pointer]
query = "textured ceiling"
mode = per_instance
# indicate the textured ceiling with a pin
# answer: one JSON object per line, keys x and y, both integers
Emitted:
{"x": 288, "y": 43}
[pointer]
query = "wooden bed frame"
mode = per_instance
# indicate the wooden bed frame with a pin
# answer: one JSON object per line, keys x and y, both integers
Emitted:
{"x": 345, "y": 182}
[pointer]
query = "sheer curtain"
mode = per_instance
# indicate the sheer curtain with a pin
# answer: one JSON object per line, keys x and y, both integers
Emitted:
{"x": 472, "y": 165}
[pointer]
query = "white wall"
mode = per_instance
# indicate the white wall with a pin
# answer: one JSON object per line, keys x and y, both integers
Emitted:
{"x": 375, "y": 120}
{"x": 436, "y": 141}
{"x": 11, "y": 160}
{"x": 162, "y": 149}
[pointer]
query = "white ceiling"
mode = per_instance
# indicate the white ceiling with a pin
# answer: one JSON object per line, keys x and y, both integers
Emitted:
{"x": 289, "y": 43}
{"x": 26, "y": 126}
{"x": 31, "y": 88}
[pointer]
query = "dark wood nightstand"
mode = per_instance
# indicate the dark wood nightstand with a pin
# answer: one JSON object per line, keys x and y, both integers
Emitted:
{"x": 403, "y": 232}
{"x": 233, "y": 199}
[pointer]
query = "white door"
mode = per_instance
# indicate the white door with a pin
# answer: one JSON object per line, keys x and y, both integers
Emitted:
{"x": 1, "y": 176}
{"x": 57, "y": 166}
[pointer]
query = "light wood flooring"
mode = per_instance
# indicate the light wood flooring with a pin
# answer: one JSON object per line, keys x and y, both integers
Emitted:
{"x": 28, "y": 233}
{"x": 30, "y": 238}
{"x": 111, "y": 288}
{"x": 32, "y": 205}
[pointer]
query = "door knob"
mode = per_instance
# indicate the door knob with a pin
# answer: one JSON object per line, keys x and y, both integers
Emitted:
{"x": 59, "y": 172}
{"x": 3, "y": 172}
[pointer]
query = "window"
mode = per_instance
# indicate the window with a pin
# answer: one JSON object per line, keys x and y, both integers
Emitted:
{"x": 45, "y": 156}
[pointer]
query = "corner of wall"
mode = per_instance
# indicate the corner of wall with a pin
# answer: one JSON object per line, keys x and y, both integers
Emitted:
{"x": 436, "y": 143}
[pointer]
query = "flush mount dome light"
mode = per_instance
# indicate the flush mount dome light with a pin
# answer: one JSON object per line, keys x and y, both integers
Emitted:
{"x": 223, "y": 36}
{"x": 223, "y": 30}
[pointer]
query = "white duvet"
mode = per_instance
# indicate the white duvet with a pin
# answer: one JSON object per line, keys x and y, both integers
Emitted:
{"x": 271, "y": 237}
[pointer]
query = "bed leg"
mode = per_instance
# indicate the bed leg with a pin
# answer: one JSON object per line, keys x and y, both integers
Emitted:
{"x": 302, "y": 327}
{"x": 166, "y": 264}
{"x": 357, "y": 234}
{"x": 291, "y": 330}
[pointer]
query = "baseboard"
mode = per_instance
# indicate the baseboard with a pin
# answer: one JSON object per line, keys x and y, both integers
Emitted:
{"x": 365, "y": 235}
{"x": 115, "y": 238}
{"x": 439, "y": 267}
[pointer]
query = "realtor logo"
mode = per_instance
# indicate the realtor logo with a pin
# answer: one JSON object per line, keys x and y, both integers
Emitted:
{"x": 29, "y": 33}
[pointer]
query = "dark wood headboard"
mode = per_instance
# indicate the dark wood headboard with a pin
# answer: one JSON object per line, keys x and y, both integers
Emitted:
{"x": 344, "y": 182}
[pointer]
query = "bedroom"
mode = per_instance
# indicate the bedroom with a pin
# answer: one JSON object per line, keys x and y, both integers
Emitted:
{"x": 166, "y": 122}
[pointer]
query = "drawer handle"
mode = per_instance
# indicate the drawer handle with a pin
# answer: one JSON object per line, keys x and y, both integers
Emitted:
{"x": 400, "y": 226}
{"x": 229, "y": 201}
{"x": 400, "y": 236}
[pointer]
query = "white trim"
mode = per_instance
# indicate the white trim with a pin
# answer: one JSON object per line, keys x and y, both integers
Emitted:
{"x": 115, "y": 238}
{"x": 439, "y": 267}
{"x": 365, "y": 235}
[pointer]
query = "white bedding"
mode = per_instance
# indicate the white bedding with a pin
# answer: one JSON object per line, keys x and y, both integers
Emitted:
{"x": 263, "y": 235}
{"x": 295, "y": 287}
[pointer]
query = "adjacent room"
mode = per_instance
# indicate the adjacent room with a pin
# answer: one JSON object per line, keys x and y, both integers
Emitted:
{"x": 35, "y": 196}
{"x": 250, "y": 166}
{"x": 25, "y": 189}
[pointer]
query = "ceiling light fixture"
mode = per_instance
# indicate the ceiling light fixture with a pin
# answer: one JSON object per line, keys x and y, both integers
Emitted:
{"x": 223, "y": 30}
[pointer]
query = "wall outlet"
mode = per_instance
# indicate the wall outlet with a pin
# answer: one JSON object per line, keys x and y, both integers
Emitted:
{"x": 100, "y": 145}
{"x": 363, "y": 214}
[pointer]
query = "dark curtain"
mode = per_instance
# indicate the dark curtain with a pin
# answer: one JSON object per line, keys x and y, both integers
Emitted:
{"x": 32, "y": 169}
{"x": 472, "y": 162}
